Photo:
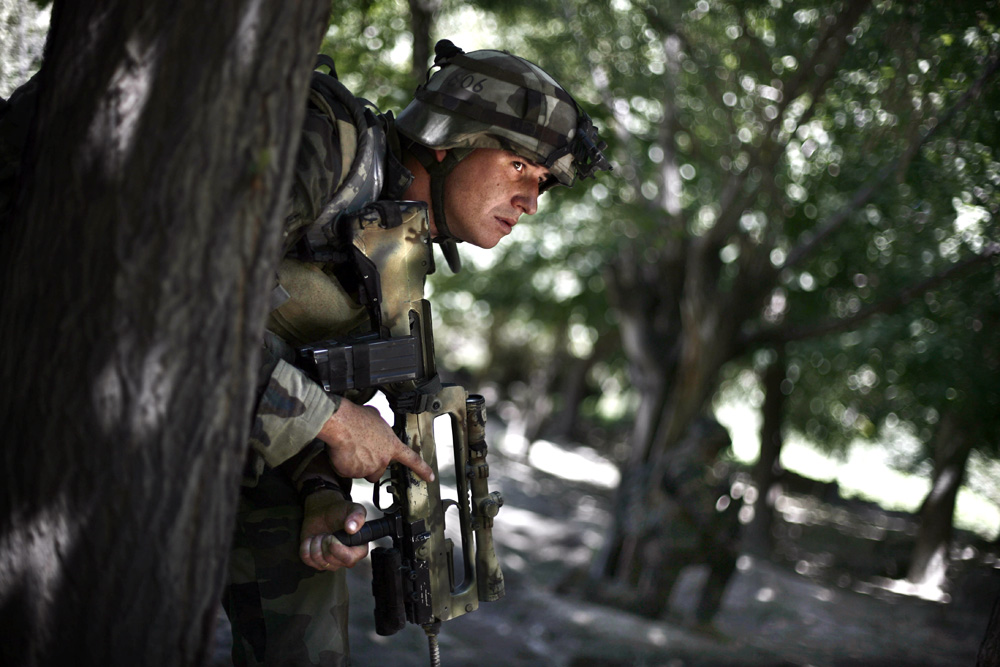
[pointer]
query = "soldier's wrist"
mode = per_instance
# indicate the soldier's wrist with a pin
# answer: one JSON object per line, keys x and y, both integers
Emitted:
{"x": 314, "y": 485}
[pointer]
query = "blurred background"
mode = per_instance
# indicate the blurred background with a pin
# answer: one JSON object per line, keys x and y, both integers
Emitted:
{"x": 743, "y": 391}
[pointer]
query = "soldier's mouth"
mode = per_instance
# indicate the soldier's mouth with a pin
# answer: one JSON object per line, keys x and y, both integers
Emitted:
{"x": 507, "y": 224}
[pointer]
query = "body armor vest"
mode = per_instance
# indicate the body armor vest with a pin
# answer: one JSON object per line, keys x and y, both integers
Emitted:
{"x": 320, "y": 291}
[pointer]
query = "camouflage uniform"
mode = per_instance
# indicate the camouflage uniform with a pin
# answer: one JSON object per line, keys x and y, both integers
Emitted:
{"x": 281, "y": 610}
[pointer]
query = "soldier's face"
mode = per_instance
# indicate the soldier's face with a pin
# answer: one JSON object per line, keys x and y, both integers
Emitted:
{"x": 487, "y": 193}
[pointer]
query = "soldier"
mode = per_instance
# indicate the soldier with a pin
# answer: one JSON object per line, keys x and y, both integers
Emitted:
{"x": 484, "y": 137}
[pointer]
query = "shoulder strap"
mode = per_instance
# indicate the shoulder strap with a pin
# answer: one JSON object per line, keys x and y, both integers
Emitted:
{"x": 397, "y": 177}
{"x": 365, "y": 178}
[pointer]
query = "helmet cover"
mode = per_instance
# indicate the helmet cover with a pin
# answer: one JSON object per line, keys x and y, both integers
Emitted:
{"x": 492, "y": 99}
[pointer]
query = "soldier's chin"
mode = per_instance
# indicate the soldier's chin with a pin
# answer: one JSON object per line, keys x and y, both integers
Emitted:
{"x": 488, "y": 244}
{"x": 486, "y": 241}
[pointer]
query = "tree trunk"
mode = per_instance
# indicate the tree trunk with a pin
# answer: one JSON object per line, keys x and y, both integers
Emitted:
{"x": 768, "y": 467}
{"x": 682, "y": 314}
{"x": 137, "y": 262}
{"x": 676, "y": 345}
{"x": 422, "y": 14}
{"x": 930, "y": 553}
{"x": 647, "y": 342}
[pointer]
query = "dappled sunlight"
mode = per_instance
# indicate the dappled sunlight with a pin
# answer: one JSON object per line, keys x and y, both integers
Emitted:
{"x": 512, "y": 561}
{"x": 113, "y": 131}
{"x": 546, "y": 539}
{"x": 580, "y": 465}
{"x": 248, "y": 32}
{"x": 865, "y": 471}
{"x": 819, "y": 597}
{"x": 33, "y": 554}
{"x": 832, "y": 586}
{"x": 523, "y": 521}
{"x": 931, "y": 592}
{"x": 140, "y": 402}
{"x": 863, "y": 548}
{"x": 765, "y": 594}
{"x": 657, "y": 636}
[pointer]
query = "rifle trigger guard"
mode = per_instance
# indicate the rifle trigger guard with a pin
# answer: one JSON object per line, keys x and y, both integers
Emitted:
{"x": 376, "y": 488}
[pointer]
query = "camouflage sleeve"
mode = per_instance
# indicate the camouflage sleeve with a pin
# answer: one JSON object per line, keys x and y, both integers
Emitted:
{"x": 291, "y": 408}
{"x": 290, "y": 413}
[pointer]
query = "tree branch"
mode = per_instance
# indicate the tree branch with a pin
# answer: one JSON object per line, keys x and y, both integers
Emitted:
{"x": 892, "y": 304}
{"x": 819, "y": 70}
{"x": 863, "y": 194}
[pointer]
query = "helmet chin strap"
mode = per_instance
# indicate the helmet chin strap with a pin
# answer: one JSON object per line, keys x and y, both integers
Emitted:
{"x": 438, "y": 172}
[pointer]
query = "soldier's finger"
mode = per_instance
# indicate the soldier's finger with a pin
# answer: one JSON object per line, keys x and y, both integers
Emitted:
{"x": 412, "y": 460}
{"x": 356, "y": 519}
{"x": 311, "y": 552}
{"x": 343, "y": 556}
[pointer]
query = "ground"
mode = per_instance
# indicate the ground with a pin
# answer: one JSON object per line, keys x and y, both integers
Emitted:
{"x": 818, "y": 601}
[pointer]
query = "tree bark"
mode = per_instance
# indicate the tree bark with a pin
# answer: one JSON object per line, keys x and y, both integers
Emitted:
{"x": 648, "y": 325}
{"x": 136, "y": 265}
{"x": 930, "y": 553}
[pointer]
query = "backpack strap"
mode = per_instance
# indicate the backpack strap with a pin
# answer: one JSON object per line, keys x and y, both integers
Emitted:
{"x": 397, "y": 177}
{"x": 363, "y": 143}
{"x": 366, "y": 176}
{"x": 364, "y": 179}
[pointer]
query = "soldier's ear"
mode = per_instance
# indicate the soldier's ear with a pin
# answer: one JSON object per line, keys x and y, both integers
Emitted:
{"x": 439, "y": 154}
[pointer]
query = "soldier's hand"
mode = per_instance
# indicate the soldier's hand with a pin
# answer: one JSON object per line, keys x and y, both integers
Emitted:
{"x": 361, "y": 444}
{"x": 324, "y": 513}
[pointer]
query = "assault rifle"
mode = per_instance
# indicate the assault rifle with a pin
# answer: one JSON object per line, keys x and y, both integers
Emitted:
{"x": 385, "y": 254}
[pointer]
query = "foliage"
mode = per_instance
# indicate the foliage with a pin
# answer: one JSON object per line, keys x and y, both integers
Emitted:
{"x": 854, "y": 181}
{"x": 712, "y": 101}
{"x": 371, "y": 44}
{"x": 905, "y": 367}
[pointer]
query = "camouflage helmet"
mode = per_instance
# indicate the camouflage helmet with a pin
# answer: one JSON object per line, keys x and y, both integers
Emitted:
{"x": 492, "y": 99}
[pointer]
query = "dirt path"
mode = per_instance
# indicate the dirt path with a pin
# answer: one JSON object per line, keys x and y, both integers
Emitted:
{"x": 771, "y": 616}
